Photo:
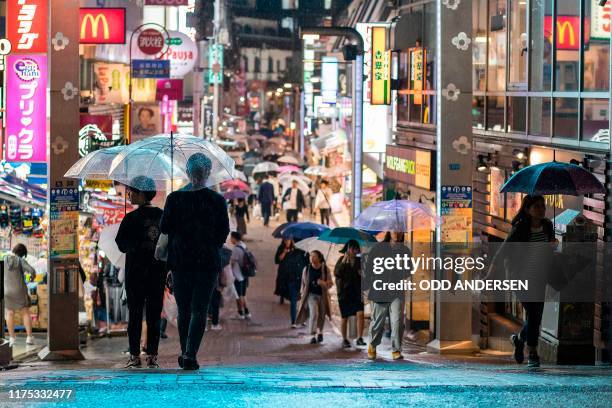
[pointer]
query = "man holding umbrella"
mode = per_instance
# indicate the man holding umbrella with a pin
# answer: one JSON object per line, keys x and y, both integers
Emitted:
{"x": 197, "y": 225}
{"x": 293, "y": 201}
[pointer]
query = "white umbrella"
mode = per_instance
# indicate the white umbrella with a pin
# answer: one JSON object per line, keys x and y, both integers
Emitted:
{"x": 108, "y": 245}
{"x": 286, "y": 159}
{"x": 286, "y": 178}
{"x": 302, "y": 185}
{"x": 265, "y": 167}
{"x": 315, "y": 171}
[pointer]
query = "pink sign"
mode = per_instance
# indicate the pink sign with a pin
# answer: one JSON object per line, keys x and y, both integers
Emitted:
{"x": 26, "y": 108}
{"x": 172, "y": 88}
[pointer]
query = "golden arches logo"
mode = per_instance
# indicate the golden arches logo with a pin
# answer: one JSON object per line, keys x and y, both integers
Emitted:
{"x": 562, "y": 28}
{"x": 94, "y": 22}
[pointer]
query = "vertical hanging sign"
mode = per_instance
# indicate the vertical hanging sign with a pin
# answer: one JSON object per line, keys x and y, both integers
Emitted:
{"x": 26, "y": 106}
{"x": 381, "y": 68}
{"x": 26, "y": 25}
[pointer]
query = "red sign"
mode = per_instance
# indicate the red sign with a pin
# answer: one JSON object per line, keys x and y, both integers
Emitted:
{"x": 26, "y": 25}
{"x": 568, "y": 32}
{"x": 102, "y": 26}
{"x": 150, "y": 41}
{"x": 171, "y": 87}
{"x": 166, "y": 2}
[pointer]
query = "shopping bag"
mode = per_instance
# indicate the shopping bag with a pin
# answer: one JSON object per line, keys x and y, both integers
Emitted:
{"x": 170, "y": 308}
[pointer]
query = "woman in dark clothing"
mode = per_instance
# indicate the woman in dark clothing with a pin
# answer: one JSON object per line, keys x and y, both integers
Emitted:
{"x": 291, "y": 262}
{"x": 145, "y": 277}
{"x": 529, "y": 225}
{"x": 241, "y": 212}
{"x": 348, "y": 284}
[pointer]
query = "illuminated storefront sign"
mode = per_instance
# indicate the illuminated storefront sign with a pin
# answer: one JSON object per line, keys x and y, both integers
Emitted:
{"x": 600, "y": 20}
{"x": 102, "y": 26}
{"x": 381, "y": 68}
{"x": 26, "y": 25}
{"x": 329, "y": 79}
{"x": 215, "y": 64}
{"x": 182, "y": 56}
{"x": 568, "y": 32}
{"x": 26, "y": 106}
{"x": 410, "y": 166}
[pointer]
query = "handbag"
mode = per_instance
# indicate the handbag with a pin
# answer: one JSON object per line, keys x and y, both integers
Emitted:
{"x": 161, "y": 249}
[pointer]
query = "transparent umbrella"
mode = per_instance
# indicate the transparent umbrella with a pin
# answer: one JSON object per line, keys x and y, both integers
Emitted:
{"x": 164, "y": 158}
{"x": 396, "y": 215}
{"x": 96, "y": 165}
{"x": 265, "y": 167}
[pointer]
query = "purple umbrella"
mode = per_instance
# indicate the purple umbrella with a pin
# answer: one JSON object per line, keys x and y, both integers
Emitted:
{"x": 234, "y": 194}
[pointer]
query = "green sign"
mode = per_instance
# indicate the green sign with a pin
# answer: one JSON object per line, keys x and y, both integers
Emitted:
{"x": 174, "y": 41}
{"x": 215, "y": 64}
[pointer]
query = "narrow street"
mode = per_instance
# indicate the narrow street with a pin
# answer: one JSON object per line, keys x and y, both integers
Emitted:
{"x": 265, "y": 362}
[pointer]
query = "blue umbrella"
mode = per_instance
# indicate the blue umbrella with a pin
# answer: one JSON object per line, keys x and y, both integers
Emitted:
{"x": 278, "y": 231}
{"x": 303, "y": 230}
{"x": 341, "y": 235}
{"x": 554, "y": 178}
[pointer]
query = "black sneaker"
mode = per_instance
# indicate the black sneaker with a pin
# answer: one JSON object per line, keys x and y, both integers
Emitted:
{"x": 133, "y": 362}
{"x": 190, "y": 364}
{"x": 346, "y": 344}
{"x": 313, "y": 340}
{"x": 533, "y": 361}
{"x": 180, "y": 361}
{"x": 360, "y": 342}
{"x": 152, "y": 362}
{"x": 319, "y": 338}
{"x": 519, "y": 348}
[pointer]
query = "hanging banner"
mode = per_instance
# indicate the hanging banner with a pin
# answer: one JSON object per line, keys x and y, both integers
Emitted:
{"x": 172, "y": 88}
{"x": 381, "y": 68}
{"x": 27, "y": 25}
{"x": 146, "y": 121}
{"x": 215, "y": 64}
{"x": 26, "y": 108}
{"x": 182, "y": 56}
{"x": 102, "y": 25}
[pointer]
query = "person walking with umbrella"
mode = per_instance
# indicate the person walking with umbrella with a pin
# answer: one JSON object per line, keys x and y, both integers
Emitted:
{"x": 293, "y": 201}
{"x": 322, "y": 201}
{"x": 266, "y": 199}
{"x": 241, "y": 213}
{"x": 291, "y": 262}
{"x": 197, "y": 225}
{"x": 348, "y": 283}
{"x": 145, "y": 277}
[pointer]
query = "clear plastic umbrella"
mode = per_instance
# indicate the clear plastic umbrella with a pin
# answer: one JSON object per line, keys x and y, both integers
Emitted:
{"x": 396, "y": 215}
{"x": 96, "y": 165}
{"x": 302, "y": 185}
{"x": 286, "y": 159}
{"x": 265, "y": 167}
{"x": 164, "y": 158}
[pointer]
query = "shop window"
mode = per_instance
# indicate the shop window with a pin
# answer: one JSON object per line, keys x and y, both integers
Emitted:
{"x": 595, "y": 120}
{"x": 517, "y": 111}
{"x": 567, "y": 44}
{"x": 479, "y": 45}
{"x": 566, "y": 118}
{"x": 495, "y": 113}
{"x": 429, "y": 45}
{"x": 540, "y": 48}
{"x": 539, "y": 116}
{"x": 518, "y": 45}
{"x": 497, "y": 45}
{"x": 596, "y": 46}
{"x": 270, "y": 65}
{"x": 257, "y": 64}
{"x": 403, "y": 95}
{"x": 478, "y": 112}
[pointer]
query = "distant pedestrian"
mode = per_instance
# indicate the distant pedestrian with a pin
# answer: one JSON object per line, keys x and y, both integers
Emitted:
{"x": 291, "y": 262}
{"x": 241, "y": 213}
{"x": 197, "y": 225}
{"x": 293, "y": 202}
{"x": 16, "y": 297}
{"x": 145, "y": 277}
{"x": 266, "y": 199}
{"x": 322, "y": 201}
{"x": 215, "y": 303}
{"x": 241, "y": 278}
{"x": 529, "y": 225}
{"x": 348, "y": 284}
{"x": 314, "y": 296}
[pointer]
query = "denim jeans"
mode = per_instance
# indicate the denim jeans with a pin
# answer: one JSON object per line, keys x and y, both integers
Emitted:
{"x": 294, "y": 291}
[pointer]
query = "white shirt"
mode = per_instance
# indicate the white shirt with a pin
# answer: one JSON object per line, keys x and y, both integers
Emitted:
{"x": 323, "y": 197}
{"x": 293, "y": 199}
{"x": 237, "y": 259}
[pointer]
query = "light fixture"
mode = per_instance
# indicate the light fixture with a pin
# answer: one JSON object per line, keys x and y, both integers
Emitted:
{"x": 482, "y": 165}
{"x": 279, "y": 90}
{"x": 310, "y": 37}
{"x": 287, "y": 85}
{"x": 520, "y": 154}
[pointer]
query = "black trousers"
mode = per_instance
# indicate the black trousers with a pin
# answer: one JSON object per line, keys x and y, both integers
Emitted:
{"x": 193, "y": 290}
{"x": 530, "y": 333}
{"x": 324, "y": 215}
{"x": 215, "y": 302}
{"x": 148, "y": 296}
{"x": 266, "y": 211}
{"x": 292, "y": 215}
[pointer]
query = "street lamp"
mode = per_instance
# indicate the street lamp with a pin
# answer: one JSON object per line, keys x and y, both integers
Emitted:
{"x": 351, "y": 52}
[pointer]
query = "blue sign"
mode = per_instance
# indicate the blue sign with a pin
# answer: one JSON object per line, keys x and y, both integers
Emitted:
{"x": 63, "y": 200}
{"x": 455, "y": 197}
{"x": 151, "y": 69}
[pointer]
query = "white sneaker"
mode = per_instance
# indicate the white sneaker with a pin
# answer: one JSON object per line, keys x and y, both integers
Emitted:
{"x": 12, "y": 341}
{"x": 216, "y": 327}
{"x": 247, "y": 316}
{"x": 239, "y": 316}
{"x": 30, "y": 341}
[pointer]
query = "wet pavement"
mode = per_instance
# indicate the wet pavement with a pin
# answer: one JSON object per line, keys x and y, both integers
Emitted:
{"x": 263, "y": 362}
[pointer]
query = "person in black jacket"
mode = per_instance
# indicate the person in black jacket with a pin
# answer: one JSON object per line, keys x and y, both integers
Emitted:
{"x": 145, "y": 277}
{"x": 266, "y": 199}
{"x": 293, "y": 202}
{"x": 197, "y": 225}
{"x": 291, "y": 262}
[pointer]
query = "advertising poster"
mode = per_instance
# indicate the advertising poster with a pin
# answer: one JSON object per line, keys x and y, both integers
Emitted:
{"x": 26, "y": 108}
{"x": 146, "y": 121}
{"x": 456, "y": 203}
{"x": 111, "y": 83}
{"x": 26, "y": 25}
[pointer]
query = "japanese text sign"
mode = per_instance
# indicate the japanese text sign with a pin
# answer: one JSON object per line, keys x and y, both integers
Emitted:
{"x": 26, "y": 25}
{"x": 102, "y": 26}
{"x": 150, "y": 69}
{"x": 381, "y": 68}
{"x": 26, "y": 100}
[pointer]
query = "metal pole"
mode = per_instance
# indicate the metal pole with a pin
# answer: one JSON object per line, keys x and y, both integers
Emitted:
{"x": 302, "y": 118}
{"x": 215, "y": 124}
{"x": 357, "y": 135}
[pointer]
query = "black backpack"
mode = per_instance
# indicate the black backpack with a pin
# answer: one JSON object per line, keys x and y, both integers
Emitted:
{"x": 249, "y": 263}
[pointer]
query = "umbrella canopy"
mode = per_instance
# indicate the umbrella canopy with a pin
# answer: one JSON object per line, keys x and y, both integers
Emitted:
{"x": 396, "y": 215}
{"x": 277, "y": 141}
{"x": 301, "y": 230}
{"x": 96, "y": 165}
{"x": 315, "y": 171}
{"x": 554, "y": 178}
{"x": 286, "y": 159}
{"x": 341, "y": 235}
{"x": 234, "y": 195}
{"x": 288, "y": 169}
{"x": 273, "y": 151}
{"x": 287, "y": 177}
{"x": 235, "y": 184}
{"x": 107, "y": 244}
{"x": 302, "y": 185}
{"x": 265, "y": 167}
{"x": 278, "y": 232}
{"x": 251, "y": 154}
{"x": 240, "y": 176}
{"x": 164, "y": 157}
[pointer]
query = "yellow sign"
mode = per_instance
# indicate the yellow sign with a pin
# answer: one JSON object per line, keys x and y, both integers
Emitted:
{"x": 94, "y": 21}
{"x": 381, "y": 68}
{"x": 100, "y": 184}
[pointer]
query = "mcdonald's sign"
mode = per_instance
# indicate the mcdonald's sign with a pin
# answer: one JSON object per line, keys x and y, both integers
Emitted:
{"x": 568, "y": 32}
{"x": 102, "y": 26}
